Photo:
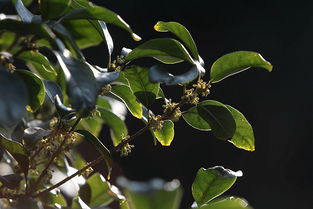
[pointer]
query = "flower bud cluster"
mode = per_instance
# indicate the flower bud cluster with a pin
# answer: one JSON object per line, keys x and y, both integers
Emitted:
{"x": 172, "y": 111}
{"x": 156, "y": 122}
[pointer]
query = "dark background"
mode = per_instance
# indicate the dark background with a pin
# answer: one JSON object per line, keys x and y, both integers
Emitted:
{"x": 278, "y": 175}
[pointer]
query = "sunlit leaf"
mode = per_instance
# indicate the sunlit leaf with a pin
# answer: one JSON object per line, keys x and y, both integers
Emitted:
{"x": 181, "y": 32}
{"x": 237, "y": 62}
{"x": 100, "y": 147}
{"x": 227, "y": 203}
{"x": 35, "y": 87}
{"x": 212, "y": 182}
{"x": 53, "y": 199}
{"x": 192, "y": 117}
{"x": 24, "y": 13}
{"x": 164, "y": 47}
{"x": 166, "y": 134}
{"x": 125, "y": 94}
{"x": 243, "y": 137}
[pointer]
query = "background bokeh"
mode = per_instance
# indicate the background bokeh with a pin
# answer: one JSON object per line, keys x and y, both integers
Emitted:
{"x": 278, "y": 104}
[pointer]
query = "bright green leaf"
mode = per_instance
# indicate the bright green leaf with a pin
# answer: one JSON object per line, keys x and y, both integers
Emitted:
{"x": 129, "y": 99}
{"x": 17, "y": 151}
{"x": 181, "y": 32}
{"x": 162, "y": 47}
{"x": 139, "y": 83}
{"x": 100, "y": 147}
{"x": 227, "y": 203}
{"x": 243, "y": 137}
{"x": 212, "y": 182}
{"x": 237, "y": 62}
{"x": 218, "y": 117}
{"x": 35, "y": 87}
{"x": 166, "y": 135}
{"x": 52, "y": 199}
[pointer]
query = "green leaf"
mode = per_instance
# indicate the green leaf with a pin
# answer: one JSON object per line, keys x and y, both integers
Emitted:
{"x": 7, "y": 38}
{"x": 237, "y": 62}
{"x": 117, "y": 126}
{"x": 243, "y": 137}
{"x": 52, "y": 199}
{"x": 35, "y": 87}
{"x": 218, "y": 117}
{"x": 93, "y": 125}
{"x": 21, "y": 28}
{"x": 212, "y": 182}
{"x": 181, "y": 32}
{"x": 227, "y": 203}
{"x": 81, "y": 83}
{"x": 17, "y": 151}
{"x": 93, "y": 12}
{"x": 155, "y": 194}
{"x": 162, "y": 47}
{"x": 166, "y": 135}
{"x": 25, "y": 202}
{"x": 100, "y": 147}
{"x": 51, "y": 9}
{"x": 139, "y": 83}
{"x": 11, "y": 181}
{"x": 192, "y": 117}
{"x": 129, "y": 99}
{"x": 98, "y": 192}
{"x": 13, "y": 94}
{"x": 24, "y": 13}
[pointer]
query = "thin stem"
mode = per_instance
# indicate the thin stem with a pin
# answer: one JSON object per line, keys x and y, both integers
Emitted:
{"x": 75, "y": 124}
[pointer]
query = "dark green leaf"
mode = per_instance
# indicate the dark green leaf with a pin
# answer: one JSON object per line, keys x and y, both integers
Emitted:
{"x": 61, "y": 109}
{"x": 14, "y": 98}
{"x": 35, "y": 87}
{"x": 237, "y": 62}
{"x": 24, "y": 13}
{"x": 11, "y": 181}
{"x": 212, "y": 182}
{"x": 6, "y": 40}
{"x": 53, "y": 200}
{"x": 17, "y": 151}
{"x": 243, "y": 137}
{"x": 33, "y": 134}
{"x": 218, "y": 117}
{"x": 125, "y": 94}
{"x": 51, "y": 9}
{"x": 93, "y": 12}
{"x": 53, "y": 89}
{"x": 164, "y": 47}
{"x": 117, "y": 126}
{"x": 25, "y": 202}
{"x": 21, "y": 28}
{"x": 104, "y": 77}
{"x": 192, "y": 117}
{"x": 100, "y": 147}
{"x": 98, "y": 192}
{"x": 155, "y": 194}
{"x": 139, "y": 83}
{"x": 81, "y": 83}
{"x": 158, "y": 75}
{"x": 166, "y": 135}
{"x": 181, "y": 32}
{"x": 227, "y": 203}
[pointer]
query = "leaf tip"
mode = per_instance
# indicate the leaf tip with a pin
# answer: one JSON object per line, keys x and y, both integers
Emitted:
{"x": 136, "y": 37}
{"x": 158, "y": 27}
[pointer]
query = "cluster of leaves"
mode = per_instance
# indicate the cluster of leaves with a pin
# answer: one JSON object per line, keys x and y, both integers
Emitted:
{"x": 60, "y": 99}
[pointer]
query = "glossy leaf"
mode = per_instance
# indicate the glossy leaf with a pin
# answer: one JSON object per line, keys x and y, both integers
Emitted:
{"x": 181, "y": 32}
{"x": 139, "y": 83}
{"x": 106, "y": 36}
{"x": 166, "y": 135}
{"x": 193, "y": 118}
{"x": 158, "y": 75}
{"x": 35, "y": 87}
{"x": 103, "y": 77}
{"x": 24, "y": 13}
{"x": 11, "y": 181}
{"x": 53, "y": 89}
{"x": 237, "y": 62}
{"x": 33, "y": 134}
{"x": 53, "y": 199}
{"x": 154, "y": 194}
{"x": 14, "y": 98}
{"x": 100, "y": 147}
{"x": 243, "y": 137}
{"x": 212, "y": 182}
{"x": 37, "y": 57}
{"x": 81, "y": 84}
{"x": 117, "y": 126}
{"x": 129, "y": 99}
{"x": 162, "y": 47}
{"x": 21, "y": 28}
{"x": 51, "y": 9}
{"x": 93, "y": 12}
{"x": 17, "y": 151}
{"x": 218, "y": 117}
{"x": 98, "y": 192}
{"x": 227, "y": 203}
